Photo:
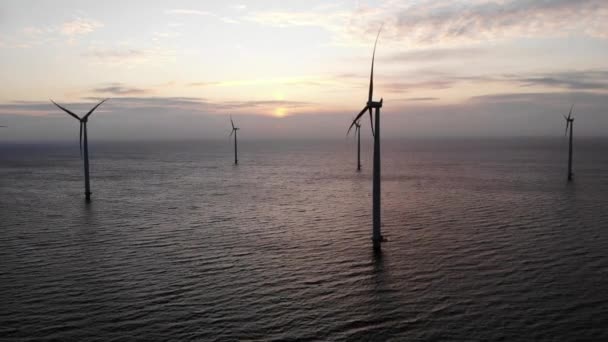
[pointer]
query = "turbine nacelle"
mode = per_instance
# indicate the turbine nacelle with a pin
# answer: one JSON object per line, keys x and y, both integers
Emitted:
{"x": 82, "y": 120}
{"x": 374, "y": 104}
{"x": 234, "y": 128}
{"x": 569, "y": 119}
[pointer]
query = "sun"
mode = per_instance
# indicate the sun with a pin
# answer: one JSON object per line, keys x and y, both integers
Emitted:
{"x": 280, "y": 112}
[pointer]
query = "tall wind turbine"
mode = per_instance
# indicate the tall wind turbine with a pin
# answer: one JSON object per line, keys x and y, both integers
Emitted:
{"x": 570, "y": 123}
{"x": 376, "y": 235}
{"x": 234, "y": 129}
{"x": 83, "y": 127}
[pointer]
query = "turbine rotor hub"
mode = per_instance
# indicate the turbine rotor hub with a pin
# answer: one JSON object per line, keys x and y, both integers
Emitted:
{"x": 374, "y": 104}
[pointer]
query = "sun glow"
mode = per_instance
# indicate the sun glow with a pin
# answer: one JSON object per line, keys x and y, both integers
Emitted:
{"x": 280, "y": 112}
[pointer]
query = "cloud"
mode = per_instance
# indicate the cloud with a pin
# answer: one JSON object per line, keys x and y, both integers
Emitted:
{"x": 116, "y": 56}
{"x": 34, "y": 31}
{"x": 200, "y": 105}
{"x": 158, "y": 102}
{"x": 427, "y": 22}
{"x": 573, "y": 80}
{"x": 290, "y": 81}
{"x": 416, "y": 99}
{"x": 128, "y": 101}
{"x": 495, "y": 20}
{"x": 79, "y": 26}
{"x": 158, "y": 118}
{"x": 399, "y": 87}
{"x": 228, "y": 20}
{"x": 29, "y": 108}
{"x": 393, "y": 83}
{"x": 203, "y": 84}
{"x": 264, "y": 104}
{"x": 189, "y": 12}
{"x": 120, "y": 89}
{"x": 128, "y": 56}
{"x": 436, "y": 54}
{"x": 239, "y": 7}
{"x": 332, "y": 21}
{"x": 166, "y": 35}
{"x": 550, "y": 99}
{"x": 38, "y": 35}
{"x": 559, "y": 81}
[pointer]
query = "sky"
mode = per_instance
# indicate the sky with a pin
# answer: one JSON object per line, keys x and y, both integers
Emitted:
{"x": 300, "y": 69}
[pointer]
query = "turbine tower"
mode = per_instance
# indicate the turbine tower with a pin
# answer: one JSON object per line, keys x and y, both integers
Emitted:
{"x": 234, "y": 129}
{"x": 377, "y": 237}
{"x": 570, "y": 123}
{"x": 83, "y": 127}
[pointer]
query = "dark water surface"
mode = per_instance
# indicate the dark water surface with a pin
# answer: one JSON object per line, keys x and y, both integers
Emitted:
{"x": 487, "y": 242}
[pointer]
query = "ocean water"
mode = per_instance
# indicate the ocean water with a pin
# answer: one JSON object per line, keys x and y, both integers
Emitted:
{"x": 487, "y": 241}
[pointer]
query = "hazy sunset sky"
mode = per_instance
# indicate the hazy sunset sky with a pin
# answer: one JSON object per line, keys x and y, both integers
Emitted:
{"x": 177, "y": 69}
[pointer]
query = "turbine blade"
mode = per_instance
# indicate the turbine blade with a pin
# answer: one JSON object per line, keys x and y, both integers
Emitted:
{"x": 231, "y": 122}
{"x": 231, "y": 132}
{"x": 81, "y": 123}
{"x": 371, "y": 77}
{"x": 356, "y": 119}
{"x": 66, "y": 110}
{"x": 570, "y": 113}
{"x": 371, "y": 121}
{"x": 567, "y": 124}
{"x": 93, "y": 109}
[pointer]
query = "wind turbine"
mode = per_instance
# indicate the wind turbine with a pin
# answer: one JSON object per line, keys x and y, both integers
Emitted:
{"x": 358, "y": 136}
{"x": 570, "y": 123}
{"x": 83, "y": 127}
{"x": 377, "y": 237}
{"x": 234, "y": 129}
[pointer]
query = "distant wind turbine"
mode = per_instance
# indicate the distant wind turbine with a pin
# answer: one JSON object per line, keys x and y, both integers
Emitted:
{"x": 234, "y": 129}
{"x": 570, "y": 123}
{"x": 377, "y": 237}
{"x": 358, "y": 136}
{"x": 83, "y": 127}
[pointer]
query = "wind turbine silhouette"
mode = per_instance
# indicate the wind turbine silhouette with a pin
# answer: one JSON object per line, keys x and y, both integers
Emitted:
{"x": 234, "y": 129}
{"x": 83, "y": 127}
{"x": 358, "y": 136}
{"x": 569, "y": 123}
{"x": 377, "y": 237}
